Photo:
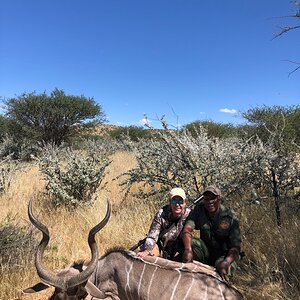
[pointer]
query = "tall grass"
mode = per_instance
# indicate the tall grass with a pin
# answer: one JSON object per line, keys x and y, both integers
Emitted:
{"x": 270, "y": 269}
{"x": 129, "y": 222}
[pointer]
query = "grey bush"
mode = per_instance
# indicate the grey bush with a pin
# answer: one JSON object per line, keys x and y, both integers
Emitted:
{"x": 72, "y": 177}
{"x": 237, "y": 165}
{"x": 22, "y": 150}
{"x": 103, "y": 145}
{"x": 17, "y": 244}
{"x": 8, "y": 168}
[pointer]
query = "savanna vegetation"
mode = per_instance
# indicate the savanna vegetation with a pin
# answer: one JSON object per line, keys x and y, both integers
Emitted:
{"x": 256, "y": 165}
{"x": 53, "y": 118}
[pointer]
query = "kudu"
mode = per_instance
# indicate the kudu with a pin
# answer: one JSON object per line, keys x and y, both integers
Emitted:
{"x": 120, "y": 274}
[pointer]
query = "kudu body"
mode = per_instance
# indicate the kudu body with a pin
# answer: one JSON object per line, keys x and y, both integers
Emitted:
{"x": 120, "y": 274}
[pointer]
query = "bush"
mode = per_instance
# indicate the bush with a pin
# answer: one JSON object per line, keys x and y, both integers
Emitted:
{"x": 8, "y": 168}
{"x": 23, "y": 149}
{"x": 134, "y": 133}
{"x": 17, "y": 244}
{"x": 213, "y": 129}
{"x": 238, "y": 166}
{"x": 179, "y": 159}
{"x": 72, "y": 176}
{"x": 104, "y": 145}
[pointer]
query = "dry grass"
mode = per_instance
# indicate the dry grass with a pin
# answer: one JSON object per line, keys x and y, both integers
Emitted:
{"x": 270, "y": 269}
{"x": 69, "y": 230}
{"x": 130, "y": 222}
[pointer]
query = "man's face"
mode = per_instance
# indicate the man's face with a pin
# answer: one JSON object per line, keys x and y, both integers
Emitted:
{"x": 211, "y": 202}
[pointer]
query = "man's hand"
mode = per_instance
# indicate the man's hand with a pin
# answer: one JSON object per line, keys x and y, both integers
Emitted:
{"x": 222, "y": 269}
{"x": 187, "y": 256}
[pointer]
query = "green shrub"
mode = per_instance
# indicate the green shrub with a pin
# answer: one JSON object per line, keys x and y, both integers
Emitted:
{"x": 213, "y": 129}
{"x": 135, "y": 133}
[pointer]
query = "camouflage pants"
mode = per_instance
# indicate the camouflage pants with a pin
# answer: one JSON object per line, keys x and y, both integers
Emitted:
{"x": 203, "y": 254}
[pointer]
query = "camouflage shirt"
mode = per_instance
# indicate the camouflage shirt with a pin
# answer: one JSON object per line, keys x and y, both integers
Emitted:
{"x": 220, "y": 233}
{"x": 163, "y": 220}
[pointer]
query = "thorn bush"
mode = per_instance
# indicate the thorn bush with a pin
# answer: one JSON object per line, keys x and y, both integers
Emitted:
{"x": 23, "y": 150}
{"x": 8, "y": 168}
{"x": 178, "y": 158}
{"x": 72, "y": 177}
{"x": 17, "y": 244}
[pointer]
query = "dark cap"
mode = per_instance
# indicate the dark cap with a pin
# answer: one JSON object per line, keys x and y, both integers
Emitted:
{"x": 212, "y": 189}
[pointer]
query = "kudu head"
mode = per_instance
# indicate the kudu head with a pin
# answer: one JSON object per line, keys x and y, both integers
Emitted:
{"x": 71, "y": 283}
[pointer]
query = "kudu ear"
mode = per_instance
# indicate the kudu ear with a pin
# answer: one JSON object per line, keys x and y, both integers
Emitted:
{"x": 36, "y": 288}
{"x": 94, "y": 291}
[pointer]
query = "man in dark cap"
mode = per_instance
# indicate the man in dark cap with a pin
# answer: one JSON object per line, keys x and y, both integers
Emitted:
{"x": 220, "y": 240}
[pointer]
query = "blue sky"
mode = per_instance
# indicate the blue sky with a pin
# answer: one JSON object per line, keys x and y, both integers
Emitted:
{"x": 189, "y": 60}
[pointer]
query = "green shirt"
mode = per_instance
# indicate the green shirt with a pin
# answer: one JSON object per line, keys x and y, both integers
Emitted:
{"x": 220, "y": 233}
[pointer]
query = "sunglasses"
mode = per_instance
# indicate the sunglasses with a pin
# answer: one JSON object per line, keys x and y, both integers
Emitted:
{"x": 176, "y": 201}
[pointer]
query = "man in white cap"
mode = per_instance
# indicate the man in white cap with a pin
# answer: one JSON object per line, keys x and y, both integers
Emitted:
{"x": 220, "y": 239}
{"x": 164, "y": 234}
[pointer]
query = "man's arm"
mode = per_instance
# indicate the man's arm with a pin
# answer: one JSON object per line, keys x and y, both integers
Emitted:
{"x": 234, "y": 249}
{"x": 187, "y": 242}
{"x": 223, "y": 266}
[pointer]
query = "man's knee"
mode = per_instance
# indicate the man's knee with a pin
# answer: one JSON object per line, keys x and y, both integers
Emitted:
{"x": 200, "y": 251}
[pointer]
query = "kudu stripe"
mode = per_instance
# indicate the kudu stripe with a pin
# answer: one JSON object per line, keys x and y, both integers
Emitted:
{"x": 141, "y": 278}
{"x": 205, "y": 295}
{"x": 189, "y": 289}
{"x": 220, "y": 289}
{"x": 150, "y": 283}
{"x": 127, "y": 286}
{"x": 175, "y": 287}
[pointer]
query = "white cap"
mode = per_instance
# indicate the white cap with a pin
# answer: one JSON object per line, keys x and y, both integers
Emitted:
{"x": 177, "y": 192}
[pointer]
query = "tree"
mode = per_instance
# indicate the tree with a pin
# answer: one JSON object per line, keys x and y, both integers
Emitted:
{"x": 277, "y": 123}
{"x": 4, "y": 127}
{"x": 287, "y": 28}
{"x": 278, "y": 127}
{"x": 53, "y": 118}
{"x": 214, "y": 129}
